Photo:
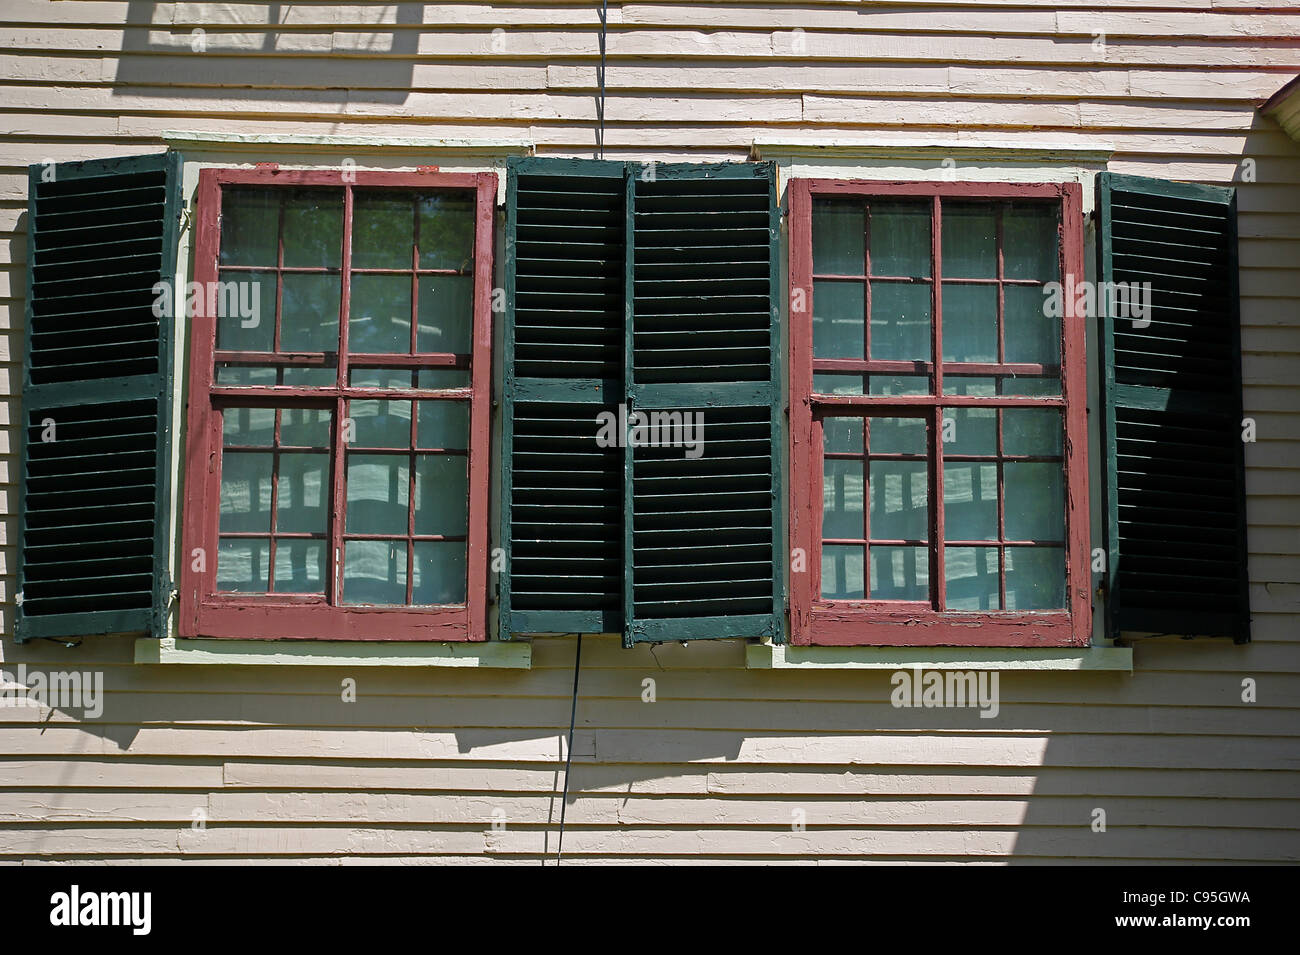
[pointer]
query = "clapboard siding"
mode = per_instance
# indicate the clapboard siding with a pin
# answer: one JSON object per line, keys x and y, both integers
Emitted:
{"x": 718, "y": 768}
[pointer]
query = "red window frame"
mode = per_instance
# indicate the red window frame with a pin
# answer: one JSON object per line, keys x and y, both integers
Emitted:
{"x": 815, "y": 620}
{"x": 205, "y": 612}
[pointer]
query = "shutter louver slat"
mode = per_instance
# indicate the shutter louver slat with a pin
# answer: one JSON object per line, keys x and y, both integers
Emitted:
{"x": 1172, "y": 425}
{"x": 95, "y": 492}
{"x": 704, "y": 550}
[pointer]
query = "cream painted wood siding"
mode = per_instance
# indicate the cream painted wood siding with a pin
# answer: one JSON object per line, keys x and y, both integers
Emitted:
{"x": 722, "y": 764}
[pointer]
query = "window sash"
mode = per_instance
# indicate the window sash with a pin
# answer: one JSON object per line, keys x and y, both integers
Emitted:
{"x": 937, "y": 539}
{"x": 907, "y": 623}
{"x": 205, "y": 611}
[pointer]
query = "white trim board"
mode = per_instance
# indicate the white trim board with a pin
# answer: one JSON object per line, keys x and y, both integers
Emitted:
{"x": 515, "y": 655}
{"x": 198, "y": 140}
{"x": 924, "y": 160}
{"x": 766, "y": 656}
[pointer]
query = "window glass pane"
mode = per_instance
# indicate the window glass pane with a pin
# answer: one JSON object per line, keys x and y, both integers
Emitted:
{"x": 842, "y": 435}
{"x": 899, "y": 508}
{"x": 245, "y": 309}
{"x": 900, "y": 321}
{"x": 969, "y": 385}
{"x": 442, "y": 378}
{"x": 325, "y": 377}
{"x": 1050, "y": 385}
{"x": 230, "y": 374}
{"x": 1035, "y": 501}
{"x": 248, "y": 426}
{"x": 383, "y": 230}
{"x": 1031, "y": 431}
{"x": 305, "y": 427}
{"x": 379, "y": 488}
{"x": 443, "y": 424}
{"x": 313, "y": 229}
{"x": 379, "y": 315}
{"x": 900, "y": 573}
{"x": 898, "y": 435}
{"x": 302, "y": 494}
{"x": 838, "y": 310}
{"x": 839, "y": 383}
{"x": 842, "y": 499}
{"x": 299, "y": 566}
{"x": 249, "y": 226}
{"x": 900, "y": 238}
{"x": 381, "y": 424}
{"x": 309, "y": 313}
{"x": 970, "y": 241}
{"x": 830, "y": 383}
{"x": 441, "y": 494}
{"x": 380, "y": 377}
{"x": 246, "y": 492}
{"x": 971, "y": 578}
{"x": 439, "y": 576}
{"x": 842, "y": 572}
{"x": 970, "y": 322}
{"x": 235, "y": 376}
{"x": 970, "y": 501}
{"x": 1031, "y": 336}
{"x": 1030, "y": 244}
{"x": 838, "y": 236}
{"x": 446, "y": 313}
{"x": 1035, "y": 578}
{"x": 970, "y": 431}
{"x": 374, "y": 572}
{"x": 446, "y": 232}
{"x": 243, "y": 565}
{"x": 900, "y": 385}
{"x": 430, "y": 378}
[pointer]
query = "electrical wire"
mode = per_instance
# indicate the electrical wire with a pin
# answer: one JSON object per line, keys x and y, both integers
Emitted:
{"x": 600, "y": 103}
{"x": 577, "y": 658}
{"x": 568, "y": 753}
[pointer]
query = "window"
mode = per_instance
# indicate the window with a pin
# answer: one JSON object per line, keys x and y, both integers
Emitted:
{"x": 336, "y": 477}
{"x": 938, "y": 418}
{"x": 336, "y": 482}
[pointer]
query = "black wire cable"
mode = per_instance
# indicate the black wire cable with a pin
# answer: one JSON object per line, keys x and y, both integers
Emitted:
{"x": 568, "y": 754}
{"x": 577, "y": 659}
{"x": 600, "y": 103}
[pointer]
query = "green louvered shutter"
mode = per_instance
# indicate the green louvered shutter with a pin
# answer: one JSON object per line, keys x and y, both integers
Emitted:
{"x": 96, "y": 408}
{"x": 562, "y": 499}
{"x": 641, "y": 540}
{"x": 1172, "y": 400}
{"x": 703, "y": 553}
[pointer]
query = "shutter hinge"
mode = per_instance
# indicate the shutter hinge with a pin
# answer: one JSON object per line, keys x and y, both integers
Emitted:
{"x": 426, "y": 169}
{"x": 271, "y": 166}
{"x": 186, "y": 217}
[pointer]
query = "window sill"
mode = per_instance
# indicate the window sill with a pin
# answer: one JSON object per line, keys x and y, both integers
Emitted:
{"x": 763, "y": 656}
{"x": 515, "y": 655}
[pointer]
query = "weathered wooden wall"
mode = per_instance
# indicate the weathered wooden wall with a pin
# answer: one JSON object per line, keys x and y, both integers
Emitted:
{"x": 713, "y": 770}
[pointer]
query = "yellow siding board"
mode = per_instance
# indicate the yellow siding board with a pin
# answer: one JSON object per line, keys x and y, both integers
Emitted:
{"x": 713, "y": 771}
